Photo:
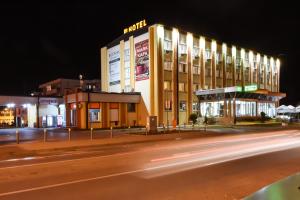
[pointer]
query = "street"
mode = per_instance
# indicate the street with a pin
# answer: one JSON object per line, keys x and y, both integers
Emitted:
{"x": 222, "y": 167}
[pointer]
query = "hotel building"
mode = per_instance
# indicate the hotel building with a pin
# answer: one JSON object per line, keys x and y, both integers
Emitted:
{"x": 179, "y": 73}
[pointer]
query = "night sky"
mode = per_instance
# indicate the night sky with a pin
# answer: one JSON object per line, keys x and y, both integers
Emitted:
{"x": 41, "y": 42}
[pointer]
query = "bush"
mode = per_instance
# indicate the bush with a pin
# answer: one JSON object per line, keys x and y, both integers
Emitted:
{"x": 193, "y": 117}
{"x": 264, "y": 117}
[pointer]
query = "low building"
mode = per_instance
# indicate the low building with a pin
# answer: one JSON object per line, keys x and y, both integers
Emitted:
{"x": 103, "y": 110}
{"x": 62, "y": 86}
{"x": 32, "y": 111}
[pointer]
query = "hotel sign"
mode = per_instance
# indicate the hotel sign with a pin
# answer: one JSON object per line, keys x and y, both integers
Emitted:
{"x": 135, "y": 26}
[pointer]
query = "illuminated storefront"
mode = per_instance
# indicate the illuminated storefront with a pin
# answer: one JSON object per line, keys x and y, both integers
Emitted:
{"x": 25, "y": 111}
{"x": 103, "y": 110}
{"x": 169, "y": 66}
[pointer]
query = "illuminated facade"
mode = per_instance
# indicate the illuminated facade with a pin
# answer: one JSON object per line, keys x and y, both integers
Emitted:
{"x": 179, "y": 73}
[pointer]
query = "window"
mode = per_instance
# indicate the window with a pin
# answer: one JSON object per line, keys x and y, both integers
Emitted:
{"x": 196, "y": 106}
{"x": 207, "y": 54}
{"x": 229, "y": 60}
{"x": 219, "y": 58}
{"x": 127, "y": 73}
{"x": 131, "y": 107}
{"x": 168, "y": 45}
{"x": 182, "y": 49}
{"x": 181, "y": 87}
{"x": 195, "y": 52}
{"x": 196, "y": 70}
{"x": 168, "y": 105}
{"x": 168, "y": 65}
{"x": 196, "y": 87}
{"x": 167, "y": 85}
{"x": 127, "y": 55}
{"x": 182, "y": 67}
{"x": 94, "y": 115}
{"x": 182, "y": 105}
{"x": 48, "y": 88}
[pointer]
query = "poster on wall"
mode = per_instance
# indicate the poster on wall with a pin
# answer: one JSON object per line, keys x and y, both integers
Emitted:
{"x": 142, "y": 61}
{"x": 114, "y": 66}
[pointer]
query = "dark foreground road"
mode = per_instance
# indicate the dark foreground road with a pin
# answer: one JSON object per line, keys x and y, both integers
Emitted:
{"x": 224, "y": 167}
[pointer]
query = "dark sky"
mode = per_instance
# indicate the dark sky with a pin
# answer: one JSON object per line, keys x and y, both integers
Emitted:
{"x": 41, "y": 42}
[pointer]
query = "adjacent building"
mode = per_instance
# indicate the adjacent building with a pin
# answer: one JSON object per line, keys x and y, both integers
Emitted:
{"x": 62, "y": 86}
{"x": 32, "y": 111}
{"x": 179, "y": 73}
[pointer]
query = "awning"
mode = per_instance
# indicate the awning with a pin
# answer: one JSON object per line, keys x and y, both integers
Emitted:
{"x": 250, "y": 92}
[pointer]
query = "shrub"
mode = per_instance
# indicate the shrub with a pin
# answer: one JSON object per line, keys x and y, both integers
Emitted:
{"x": 193, "y": 117}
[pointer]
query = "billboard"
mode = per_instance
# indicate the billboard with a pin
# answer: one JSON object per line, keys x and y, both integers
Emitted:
{"x": 142, "y": 60}
{"x": 114, "y": 65}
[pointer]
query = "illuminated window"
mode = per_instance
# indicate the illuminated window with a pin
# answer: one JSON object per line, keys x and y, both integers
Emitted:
{"x": 167, "y": 45}
{"x": 168, "y": 105}
{"x": 94, "y": 115}
{"x": 196, "y": 87}
{"x": 196, "y": 70}
{"x": 182, "y": 49}
{"x": 195, "y": 52}
{"x": 207, "y": 54}
{"x": 167, "y": 85}
{"x": 182, "y": 105}
{"x": 181, "y": 87}
{"x": 229, "y": 59}
{"x": 182, "y": 67}
{"x": 196, "y": 106}
{"x": 167, "y": 65}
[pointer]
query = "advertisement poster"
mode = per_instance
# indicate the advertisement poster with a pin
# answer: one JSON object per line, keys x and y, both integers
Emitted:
{"x": 114, "y": 66}
{"x": 142, "y": 61}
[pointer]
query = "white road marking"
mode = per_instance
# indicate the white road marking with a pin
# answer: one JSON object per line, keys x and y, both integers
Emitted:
{"x": 238, "y": 156}
{"x": 133, "y": 152}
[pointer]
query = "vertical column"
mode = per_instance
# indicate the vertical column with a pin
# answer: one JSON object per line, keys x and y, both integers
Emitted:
{"x": 132, "y": 62}
{"x": 242, "y": 67}
{"x": 175, "y": 38}
{"x": 265, "y": 71}
{"x": 271, "y": 73}
{"x": 190, "y": 75}
{"x": 233, "y": 55}
{"x": 278, "y": 74}
{"x": 152, "y": 58}
{"x": 104, "y": 70}
{"x": 213, "y": 63}
{"x": 122, "y": 65}
{"x": 159, "y": 75}
{"x": 224, "y": 65}
{"x": 258, "y": 70}
{"x": 251, "y": 67}
{"x": 202, "y": 62}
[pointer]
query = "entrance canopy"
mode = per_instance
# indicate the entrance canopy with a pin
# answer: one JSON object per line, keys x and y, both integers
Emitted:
{"x": 248, "y": 92}
{"x": 287, "y": 109}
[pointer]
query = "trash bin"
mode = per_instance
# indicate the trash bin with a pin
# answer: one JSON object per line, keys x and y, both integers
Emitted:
{"x": 152, "y": 121}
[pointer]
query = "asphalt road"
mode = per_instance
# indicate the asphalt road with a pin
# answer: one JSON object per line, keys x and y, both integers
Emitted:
{"x": 223, "y": 167}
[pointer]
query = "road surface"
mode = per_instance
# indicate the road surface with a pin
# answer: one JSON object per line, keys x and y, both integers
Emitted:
{"x": 223, "y": 167}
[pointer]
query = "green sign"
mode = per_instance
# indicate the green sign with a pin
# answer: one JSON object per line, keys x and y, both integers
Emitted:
{"x": 250, "y": 88}
{"x": 239, "y": 88}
